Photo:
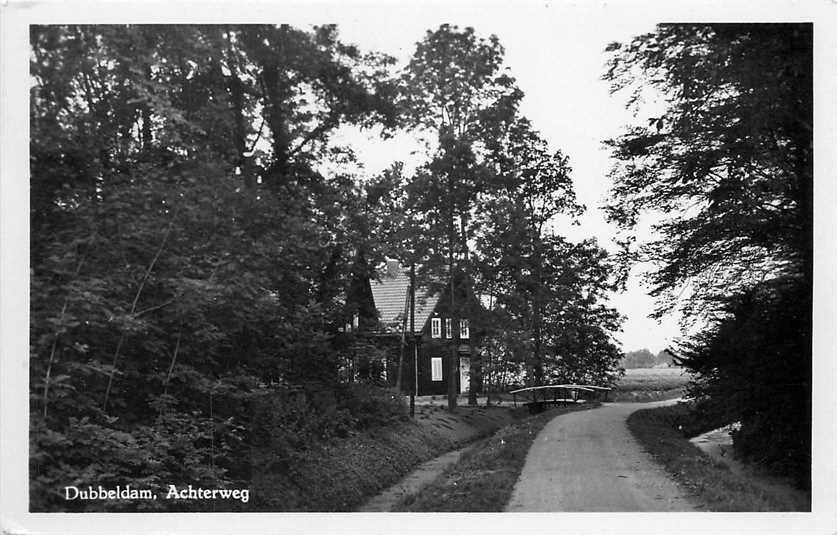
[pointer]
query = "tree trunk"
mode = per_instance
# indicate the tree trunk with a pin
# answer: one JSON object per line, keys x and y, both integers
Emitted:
{"x": 537, "y": 333}
{"x": 453, "y": 370}
{"x": 475, "y": 369}
{"x": 276, "y": 121}
{"x": 239, "y": 123}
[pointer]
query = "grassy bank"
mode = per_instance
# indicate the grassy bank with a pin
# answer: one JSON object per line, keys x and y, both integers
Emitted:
{"x": 711, "y": 482}
{"x": 650, "y": 384}
{"x": 340, "y": 474}
{"x": 484, "y": 477}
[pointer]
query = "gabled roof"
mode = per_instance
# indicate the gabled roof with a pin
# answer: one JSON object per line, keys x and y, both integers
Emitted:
{"x": 391, "y": 293}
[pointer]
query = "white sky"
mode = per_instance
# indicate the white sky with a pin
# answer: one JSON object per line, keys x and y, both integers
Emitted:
{"x": 556, "y": 55}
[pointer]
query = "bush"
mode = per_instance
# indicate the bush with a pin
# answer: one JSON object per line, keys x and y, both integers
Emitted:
{"x": 177, "y": 448}
{"x": 295, "y": 419}
{"x": 755, "y": 367}
{"x": 373, "y": 406}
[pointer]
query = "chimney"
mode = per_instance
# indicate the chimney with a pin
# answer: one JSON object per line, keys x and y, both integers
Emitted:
{"x": 393, "y": 268}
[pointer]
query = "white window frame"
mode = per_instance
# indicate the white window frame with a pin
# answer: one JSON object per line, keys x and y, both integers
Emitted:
{"x": 448, "y": 328}
{"x": 436, "y": 327}
{"x": 436, "y": 369}
{"x": 464, "y": 330}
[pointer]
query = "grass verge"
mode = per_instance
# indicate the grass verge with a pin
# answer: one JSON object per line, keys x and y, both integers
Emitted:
{"x": 711, "y": 483}
{"x": 484, "y": 477}
{"x": 340, "y": 474}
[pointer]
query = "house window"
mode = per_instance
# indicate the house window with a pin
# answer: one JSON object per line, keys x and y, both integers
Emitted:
{"x": 436, "y": 327}
{"x": 436, "y": 368}
{"x": 448, "y": 328}
{"x": 463, "y": 329}
{"x": 355, "y": 321}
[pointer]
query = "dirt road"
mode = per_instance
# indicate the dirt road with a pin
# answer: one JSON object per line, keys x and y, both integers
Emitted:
{"x": 589, "y": 461}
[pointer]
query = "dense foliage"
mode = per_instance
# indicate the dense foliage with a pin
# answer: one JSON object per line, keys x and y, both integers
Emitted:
{"x": 179, "y": 267}
{"x": 197, "y": 240}
{"x": 728, "y": 168}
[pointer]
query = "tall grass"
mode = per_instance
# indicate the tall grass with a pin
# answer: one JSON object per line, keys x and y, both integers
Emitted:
{"x": 710, "y": 482}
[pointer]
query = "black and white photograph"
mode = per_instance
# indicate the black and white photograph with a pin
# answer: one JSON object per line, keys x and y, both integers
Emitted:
{"x": 385, "y": 258}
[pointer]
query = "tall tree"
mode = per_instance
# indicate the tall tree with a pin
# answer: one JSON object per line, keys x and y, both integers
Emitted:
{"x": 534, "y": 187}
{"x": 730, "y": 160}
{"x": 455, "y": 86}
{"x": 728, "y": 165}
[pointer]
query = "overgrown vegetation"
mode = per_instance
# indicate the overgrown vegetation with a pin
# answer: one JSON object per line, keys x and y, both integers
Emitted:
{"x": 198, "y": 240}
{"x": 339, "y": 474}
{"x": 484, "y": 477}
{"x": 727, "y": 168}
{"x": 664, "y": 433}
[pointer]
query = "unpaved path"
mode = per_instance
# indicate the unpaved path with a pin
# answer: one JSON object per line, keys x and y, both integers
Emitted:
{"x": 589, "y": 461}
{"x": 411, "y": 484}
{"x": 463, "y": 427}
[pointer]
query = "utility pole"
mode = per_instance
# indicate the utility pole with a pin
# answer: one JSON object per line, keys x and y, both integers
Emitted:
{"x": 414, "y": 386}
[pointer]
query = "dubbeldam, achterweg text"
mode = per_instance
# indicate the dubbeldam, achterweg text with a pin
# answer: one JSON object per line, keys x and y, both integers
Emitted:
{"x": 128, "y": 493}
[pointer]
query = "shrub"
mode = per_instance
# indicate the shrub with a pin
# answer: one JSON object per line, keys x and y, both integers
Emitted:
{"x": 755, "y": 367}
{"x": 297, "y": 418}
{"x": 373, "y": 406}
{"x": 177, "y": 448}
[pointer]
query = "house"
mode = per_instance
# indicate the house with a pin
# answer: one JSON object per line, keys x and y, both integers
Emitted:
{"x": 440, "y": 337}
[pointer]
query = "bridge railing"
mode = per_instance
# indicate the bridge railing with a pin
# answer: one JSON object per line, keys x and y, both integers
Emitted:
{"x": 569, "y": 392}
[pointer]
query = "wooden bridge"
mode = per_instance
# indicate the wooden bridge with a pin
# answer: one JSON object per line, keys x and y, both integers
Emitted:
{"x": 540, "y": 396}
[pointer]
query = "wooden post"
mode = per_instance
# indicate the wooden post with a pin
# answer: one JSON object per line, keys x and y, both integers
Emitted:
{"x": 413, "y": 391}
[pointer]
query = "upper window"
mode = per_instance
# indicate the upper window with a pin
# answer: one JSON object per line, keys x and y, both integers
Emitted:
{"x": 463, "y": 329}
{"x": 448, "y": 328}
{"x": 436, "y": 327}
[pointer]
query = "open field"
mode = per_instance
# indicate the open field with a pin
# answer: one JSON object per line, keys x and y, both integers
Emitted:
{"x": 651, "y": 384}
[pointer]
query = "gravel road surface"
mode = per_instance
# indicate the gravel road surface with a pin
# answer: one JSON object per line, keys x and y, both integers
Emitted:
{"x": 589, "y": 461}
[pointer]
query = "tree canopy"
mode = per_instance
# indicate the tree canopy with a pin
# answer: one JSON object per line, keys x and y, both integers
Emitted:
{"x": 729, "y": 163}
{"x": 727, "y": 167}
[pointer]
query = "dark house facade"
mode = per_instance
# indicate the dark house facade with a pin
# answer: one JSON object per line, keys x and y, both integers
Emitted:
{"x": 440, "y": 337}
